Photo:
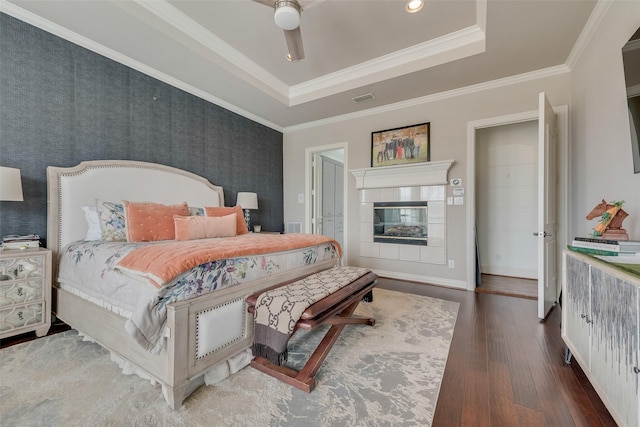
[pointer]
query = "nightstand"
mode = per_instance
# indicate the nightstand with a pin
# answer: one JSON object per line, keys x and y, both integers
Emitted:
{"x": 25, "y": 291}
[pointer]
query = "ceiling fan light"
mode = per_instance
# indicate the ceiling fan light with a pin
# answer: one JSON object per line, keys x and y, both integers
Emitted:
{"x": 414, "y": 6}
{"x": 287, "y": 17}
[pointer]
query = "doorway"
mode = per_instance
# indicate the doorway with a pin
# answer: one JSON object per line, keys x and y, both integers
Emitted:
{"x": 325, "y": 191}
{"x": 553, "y": 185}
{"x": 506, "y": 165}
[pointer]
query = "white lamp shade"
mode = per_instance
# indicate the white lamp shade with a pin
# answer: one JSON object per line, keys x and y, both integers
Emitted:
{"x": 10, "y": 184}
{"x": 247, "y": 200}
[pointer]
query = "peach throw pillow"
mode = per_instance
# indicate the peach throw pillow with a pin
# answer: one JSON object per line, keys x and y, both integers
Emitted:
{"x": 204, "y": 227}
{"x": 241, "y": 225}
{"x": 148, "y": 222}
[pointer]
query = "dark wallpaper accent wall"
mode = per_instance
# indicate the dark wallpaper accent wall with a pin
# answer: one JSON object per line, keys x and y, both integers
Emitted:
{"x": 61, "y": 104}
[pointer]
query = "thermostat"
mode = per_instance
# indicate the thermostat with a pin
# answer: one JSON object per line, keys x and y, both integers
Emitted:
{"x": 456, "y": 181}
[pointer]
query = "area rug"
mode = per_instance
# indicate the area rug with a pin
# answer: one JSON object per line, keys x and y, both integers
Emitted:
{"x": 385, "y": 375}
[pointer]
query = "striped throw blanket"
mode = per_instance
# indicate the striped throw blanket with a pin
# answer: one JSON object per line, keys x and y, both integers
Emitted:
{"x": 277, "y": 311}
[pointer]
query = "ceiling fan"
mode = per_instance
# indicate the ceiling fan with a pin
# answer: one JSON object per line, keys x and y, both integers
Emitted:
{"x": 287, "y": 17}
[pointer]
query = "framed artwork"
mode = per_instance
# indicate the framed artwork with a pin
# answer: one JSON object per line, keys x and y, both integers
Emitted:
{"x": 400, "y": 146}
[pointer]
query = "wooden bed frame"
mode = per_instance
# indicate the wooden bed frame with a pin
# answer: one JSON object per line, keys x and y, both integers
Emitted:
{"x": 201, "y": 332}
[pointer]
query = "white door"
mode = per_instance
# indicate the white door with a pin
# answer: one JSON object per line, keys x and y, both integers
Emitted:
{"x": 547, "y": 232}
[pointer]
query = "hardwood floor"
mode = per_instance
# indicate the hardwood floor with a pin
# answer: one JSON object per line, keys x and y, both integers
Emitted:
{"x": 506, "y": 368}
{"x": 512, "y": 286}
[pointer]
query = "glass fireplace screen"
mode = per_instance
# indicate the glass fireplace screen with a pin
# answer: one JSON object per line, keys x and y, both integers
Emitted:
{"x": 400, "y": 222}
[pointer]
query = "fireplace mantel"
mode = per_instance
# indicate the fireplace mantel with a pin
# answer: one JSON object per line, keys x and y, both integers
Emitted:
{"x": 413, "y": 175}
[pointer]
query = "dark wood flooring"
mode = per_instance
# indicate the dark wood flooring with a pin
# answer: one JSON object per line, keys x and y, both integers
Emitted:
{"x": 505, "y": 367}
{"x": 512, "y": 286}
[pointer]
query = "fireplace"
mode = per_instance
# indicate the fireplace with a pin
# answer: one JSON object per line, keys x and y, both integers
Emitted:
{"x": 400, "y": 222}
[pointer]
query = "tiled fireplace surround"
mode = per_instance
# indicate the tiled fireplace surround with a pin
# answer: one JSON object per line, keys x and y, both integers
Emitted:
{"x": 418, "y": 182}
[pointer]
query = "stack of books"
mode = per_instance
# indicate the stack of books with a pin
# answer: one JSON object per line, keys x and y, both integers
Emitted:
{"x": 15, "y": 241}
{"x": 604, "y": 247}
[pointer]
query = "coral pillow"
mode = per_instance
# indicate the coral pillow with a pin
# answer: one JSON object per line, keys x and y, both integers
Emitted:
{"x": 147, "y": 222}
{"x": 241, "y": 225}
{"x": 204, "y": 227}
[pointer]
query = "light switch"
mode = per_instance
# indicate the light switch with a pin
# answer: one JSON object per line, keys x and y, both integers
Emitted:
{"x": 300, "y": 197}
{"x": 458, "y": 200}
{"x": 449, "y": 200}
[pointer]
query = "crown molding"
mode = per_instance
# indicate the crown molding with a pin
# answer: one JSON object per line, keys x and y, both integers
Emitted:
{"x": 494, "y": 84}
{"x": 227, "y": 57}
{"x": 450, "y": 47}
{"x": 587, "y": 32}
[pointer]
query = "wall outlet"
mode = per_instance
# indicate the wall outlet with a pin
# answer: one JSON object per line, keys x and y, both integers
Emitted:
{"x": 452, "y": 264}
{"x": 300, "y": 197}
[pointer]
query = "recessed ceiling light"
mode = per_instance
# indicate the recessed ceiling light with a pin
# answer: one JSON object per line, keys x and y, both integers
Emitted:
{"x": 414, "y": 6}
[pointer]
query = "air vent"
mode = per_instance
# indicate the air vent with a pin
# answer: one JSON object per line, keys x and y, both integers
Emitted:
{"x": 363, "y": 98}
{"x": 294, "y": 227}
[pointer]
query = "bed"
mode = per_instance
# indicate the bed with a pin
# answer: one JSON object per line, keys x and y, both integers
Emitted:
{"x": 204, "y": 335}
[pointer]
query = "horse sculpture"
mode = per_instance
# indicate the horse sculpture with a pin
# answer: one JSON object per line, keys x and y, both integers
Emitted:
{"x": 611, "y": 217}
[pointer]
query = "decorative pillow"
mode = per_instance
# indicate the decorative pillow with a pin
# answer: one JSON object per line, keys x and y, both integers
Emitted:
{"x": 241, "y": 225}
{"x": 204, "y": 227}
{"x": 195, "y": 211}
{"x": 112, "y": 223}
{"x": 148, "y": 221}
{"x": 93, "y": 223}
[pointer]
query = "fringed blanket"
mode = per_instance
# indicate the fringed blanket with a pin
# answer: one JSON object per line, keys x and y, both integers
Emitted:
{"x": 277, "y": 311}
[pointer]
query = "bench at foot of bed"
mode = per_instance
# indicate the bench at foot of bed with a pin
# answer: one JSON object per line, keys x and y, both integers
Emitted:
{"x": 336, "y": 310}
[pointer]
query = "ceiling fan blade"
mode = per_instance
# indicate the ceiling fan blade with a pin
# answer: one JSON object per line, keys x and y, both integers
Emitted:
{"x": 269, "y": 3}
{"x": 294, "y": 44}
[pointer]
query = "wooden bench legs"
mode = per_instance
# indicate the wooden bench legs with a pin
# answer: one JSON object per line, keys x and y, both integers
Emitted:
{"x": 304, "y": 379}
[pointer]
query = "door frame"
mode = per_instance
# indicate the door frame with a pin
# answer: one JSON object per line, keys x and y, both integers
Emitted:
{"x": 308, "y": 181}
{"x": 564, "y": 174}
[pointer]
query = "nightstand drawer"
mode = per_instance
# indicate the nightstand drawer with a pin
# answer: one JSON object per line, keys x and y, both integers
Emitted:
{"x": 22, "y": 267}
{"x": 21, "y": 316}
{"x": 20, "y": 291}
{"x": 25, "y": 291}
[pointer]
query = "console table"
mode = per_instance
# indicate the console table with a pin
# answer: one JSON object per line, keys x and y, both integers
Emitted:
{"x": 600, "y": 327}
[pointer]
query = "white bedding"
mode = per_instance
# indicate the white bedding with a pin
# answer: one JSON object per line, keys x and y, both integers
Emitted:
{"x": 90, "y": 270}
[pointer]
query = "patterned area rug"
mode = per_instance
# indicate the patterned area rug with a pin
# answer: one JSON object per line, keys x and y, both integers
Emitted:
{"x": 385, "y": 375}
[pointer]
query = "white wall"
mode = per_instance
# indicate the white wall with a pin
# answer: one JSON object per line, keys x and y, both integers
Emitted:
{"x": 448, "y": 118}
{"x": 602, "y": 165}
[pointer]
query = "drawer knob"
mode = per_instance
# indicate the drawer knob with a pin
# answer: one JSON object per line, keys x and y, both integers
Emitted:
{"x": 636, "y": 370}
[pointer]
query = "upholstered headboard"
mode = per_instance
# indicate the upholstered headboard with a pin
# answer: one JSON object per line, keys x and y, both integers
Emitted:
{"x": 69, "y": 189}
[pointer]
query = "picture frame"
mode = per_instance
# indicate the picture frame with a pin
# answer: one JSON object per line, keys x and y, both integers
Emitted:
{"x": 401, "y": 146}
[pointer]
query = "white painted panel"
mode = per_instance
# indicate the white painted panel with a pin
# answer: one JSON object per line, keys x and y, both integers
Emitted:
{"x": 436, "y": 234}
{"x": 370, "y": 195}
{"x": 366, "y": 212}
{"x": 408, "y": 194}
{"x": 389, "y": 195}
{"x": 409, "y": 253}
{"x": 436, "y": 212}
{"x": 366, "y": 231}
{"x": 389, "y": 251}
{"x": 371, "y": 250}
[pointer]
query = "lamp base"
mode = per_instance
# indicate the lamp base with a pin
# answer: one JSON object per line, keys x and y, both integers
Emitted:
{"x": 247, "y": 218}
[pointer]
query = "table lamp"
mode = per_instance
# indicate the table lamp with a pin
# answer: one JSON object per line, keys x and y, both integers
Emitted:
{"x": 10, "y": 185}
{"x": 247, "y": 201}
